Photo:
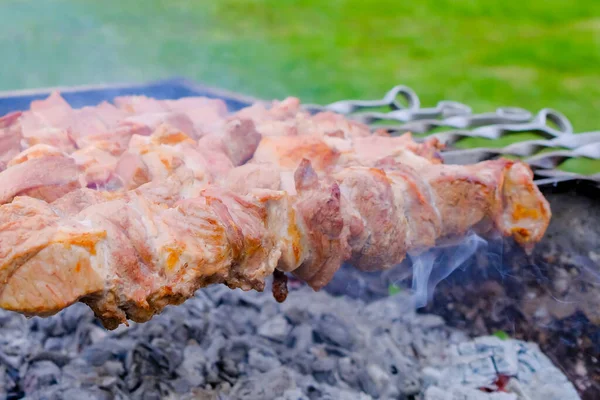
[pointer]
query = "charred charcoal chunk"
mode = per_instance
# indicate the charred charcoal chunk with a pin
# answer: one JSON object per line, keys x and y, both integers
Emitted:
{"x": 269, "y": 385}
{"x": 193, "y": 367}
{"x": 76, "y": 315}
{"x": 70, "y": 393}
{"x": 196, "y": 329}
{"x": 97, "y": 355}
{"x": 334, "y": 330}
{"x": 276, "y": 329}
{"x": 160, "y": 358}
{"x": 81, "y": 393}
{"x": 40, "y": 375}
{"x": 349, "y": 369}
{"x": 373, "y": 380}
{"x": 297, "y": 315}
{"x": 235, "y": 321}
{"x": 8, "y": 383}
{"x": 13, "y": 350}
{"x": 302, "y": 338}
{"x": 59, "y": 359}
{"x": 237, "y": 350}
{"x": 263, "y": 360}
{"x": 111, "y": 348}
{"x": 152, "y": 389}
{"x": 294, "y": 394}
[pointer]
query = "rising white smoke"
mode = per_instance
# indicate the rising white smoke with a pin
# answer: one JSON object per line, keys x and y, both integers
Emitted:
{"x": 435, "y": 265}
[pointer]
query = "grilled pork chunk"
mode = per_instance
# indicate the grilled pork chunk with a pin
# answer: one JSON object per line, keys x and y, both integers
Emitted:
{"x": 171, "y": 211}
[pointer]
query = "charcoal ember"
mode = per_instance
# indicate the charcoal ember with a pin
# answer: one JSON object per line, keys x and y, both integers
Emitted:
{"x": 86, "y": 393}
{"x": 158, "y": 358}
{"x": 8, "y": 363}
{"x": 192, "y": 369}
{"x": 429, "y": 321}
{"x": 39, "y": 375}
{"x": 463, "y": 393}
{"x": 57, "y": 343}
{"x": 238, "y": 348}
{"x": 227, "y": 345}
{"x": 213, "y": 350}
{"x": 430, "y": 343}
{"x": 49, "y": 326}
{"x": 76, "y": 316}
{"x": 69, "y": 393}
{"x": 334, "y": 330}
{"x": 410, "y": 385}
{"x": 106, "y": 377}
{"x": 269, "y": 310}
{"x": 253, "y": 300}
{"x": 219, "y": 295}
{"x": 59, "y": 358}
{"x": 235, "y": 321}
{"x": 374, "y": 380}
{"x": 152, "y": 389}
{"x": 199, "y": 305}
{"x": 78, "y": 371}
{"x": 196, "y": 329}
{"x": 276, "y": 328}
{"x": 7, "y": 381}
{"x": 349, "y": 369}
{"x": 301, "y": 338}
{"x": 294, "y": 394}
{"x": 324, "y": 363}
{"x": 204, "y": 394}
{"x": 14, "y": 350}
{"x": 109, "y": 349}
{"x": 329, "y": 377}
{"x": 301, "y": 362}
{"x": 214, "y": 346}
{"x": 148, "y": 333}
{"x": 112, "y": 368}
{"x": 169, "y": 351}
{"x": 11, "y": 322}
{"x": 297, "y": 315}
{"x": 65, "y": 322}
{"x": 228, "y": 370}
{"x": 180, "y": 386}
{"x": 400, "y": 369}
{"x": 336, "y": 351}
{"x": 179, "y": 333}
{"x": 263, "y": 359}
{"x": 265, "y": 386}
{"x": 214, "y": 366}
{"x": 324, "y": 391}
{"x": 392, "y": 308}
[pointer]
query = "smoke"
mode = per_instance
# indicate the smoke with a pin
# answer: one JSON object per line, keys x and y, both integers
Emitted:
{"x": 427, "y": 269}
{"x": 435, "y": 265}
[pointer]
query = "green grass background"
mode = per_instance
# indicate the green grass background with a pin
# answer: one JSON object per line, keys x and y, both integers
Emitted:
{"x": 533, "y": 54}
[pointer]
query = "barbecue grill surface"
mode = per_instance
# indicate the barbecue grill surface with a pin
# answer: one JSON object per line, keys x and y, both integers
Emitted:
{"x": 569, "y": 246}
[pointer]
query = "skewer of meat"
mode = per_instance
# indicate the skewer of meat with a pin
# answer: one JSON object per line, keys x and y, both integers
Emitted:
{"x": 106, "y": 162}
{"x": 129, "y": 253}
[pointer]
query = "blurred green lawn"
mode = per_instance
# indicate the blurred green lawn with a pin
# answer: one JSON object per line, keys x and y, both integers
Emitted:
{"x": 533, "y": 54}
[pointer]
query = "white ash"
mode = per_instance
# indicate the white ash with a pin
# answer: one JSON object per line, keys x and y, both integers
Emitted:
{"x": 226, "y": 345}
{"x": 478, "y": 363}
